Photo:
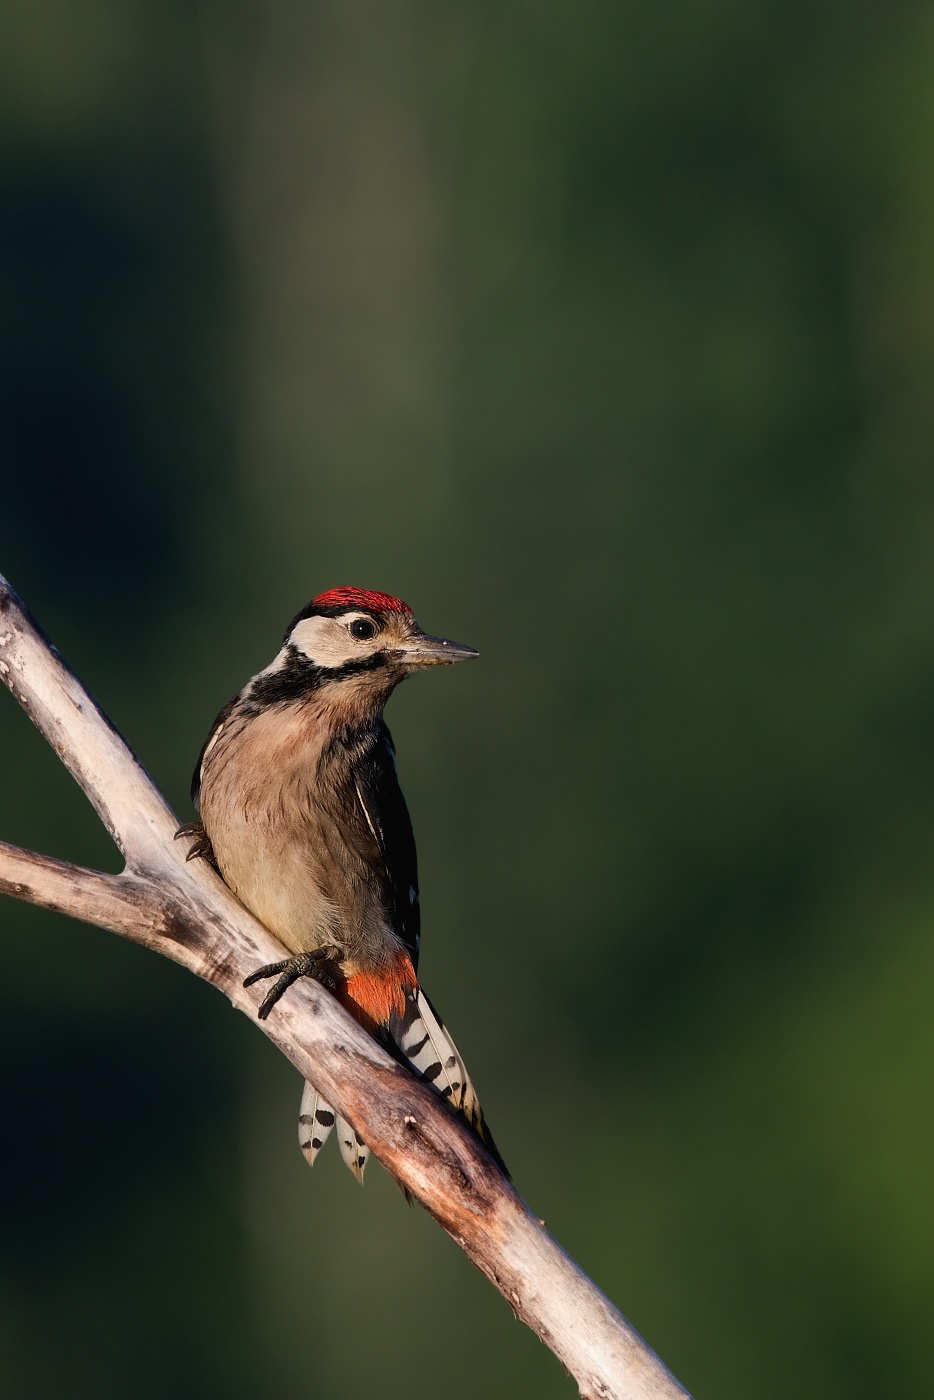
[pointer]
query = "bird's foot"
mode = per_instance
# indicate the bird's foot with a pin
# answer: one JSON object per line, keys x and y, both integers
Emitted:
{"x": 201, "y": 842}
{"x": 323, "y": 964}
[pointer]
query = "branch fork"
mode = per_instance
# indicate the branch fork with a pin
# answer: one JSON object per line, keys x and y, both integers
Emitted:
{"x": 183, "y": 910}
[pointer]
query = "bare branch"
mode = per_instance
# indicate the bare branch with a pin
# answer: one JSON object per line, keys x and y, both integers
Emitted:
{"x": 70, "y": 889}
{"x": 184, "y": 911}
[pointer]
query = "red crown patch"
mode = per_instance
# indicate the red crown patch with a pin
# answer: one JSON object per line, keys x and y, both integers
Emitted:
{"x": 360, "y": 598}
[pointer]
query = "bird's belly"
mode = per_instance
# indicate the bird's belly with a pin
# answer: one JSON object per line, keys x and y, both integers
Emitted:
{"x": 284, "y": 852}
{"x": 277, "y": 884}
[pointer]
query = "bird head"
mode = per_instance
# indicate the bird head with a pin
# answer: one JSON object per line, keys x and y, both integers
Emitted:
{"x": 353, "y": 644}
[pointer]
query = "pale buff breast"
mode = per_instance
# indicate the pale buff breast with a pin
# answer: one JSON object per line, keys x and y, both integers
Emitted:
{"x": 256, "y": 808}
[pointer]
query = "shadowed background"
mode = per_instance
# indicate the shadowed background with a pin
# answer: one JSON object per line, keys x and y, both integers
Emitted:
{"x": 604, "y": 337}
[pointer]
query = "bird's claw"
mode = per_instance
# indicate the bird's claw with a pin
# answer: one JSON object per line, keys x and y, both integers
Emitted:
{"x": 201, "y": 846}
{"x": 323, "y": 964}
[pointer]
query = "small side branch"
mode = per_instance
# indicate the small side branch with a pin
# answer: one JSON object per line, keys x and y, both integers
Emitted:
{"x": 106, "y": 900}
{"x": 184, "y": 911}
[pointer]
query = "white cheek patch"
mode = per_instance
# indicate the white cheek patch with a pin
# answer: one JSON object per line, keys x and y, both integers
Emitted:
{"x": 327, "y": 640}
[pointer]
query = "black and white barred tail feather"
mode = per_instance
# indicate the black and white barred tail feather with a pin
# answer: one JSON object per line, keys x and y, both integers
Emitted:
{"x": 419, "y": 1039}
{"x": 422, "y": 1041}
{"x": 315, "y": 1122}
{"x": 353, "y": 1149}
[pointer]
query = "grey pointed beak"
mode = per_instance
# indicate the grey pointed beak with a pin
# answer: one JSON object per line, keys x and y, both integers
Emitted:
{"x": 421, "y": 650}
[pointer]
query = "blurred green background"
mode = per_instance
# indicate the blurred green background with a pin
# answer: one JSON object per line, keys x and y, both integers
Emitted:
{"x": 604, "y": 335}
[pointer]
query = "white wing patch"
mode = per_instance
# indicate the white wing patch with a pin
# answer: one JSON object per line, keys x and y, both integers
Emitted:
{"x": 208, "y": 747}
{"x": 366, "y": 812}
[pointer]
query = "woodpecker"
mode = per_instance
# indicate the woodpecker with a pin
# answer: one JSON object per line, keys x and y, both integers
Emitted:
{"x": 301, "y": 813}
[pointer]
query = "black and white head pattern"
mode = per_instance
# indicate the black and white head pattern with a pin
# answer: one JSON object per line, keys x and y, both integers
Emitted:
{"x": 343, "y": 634}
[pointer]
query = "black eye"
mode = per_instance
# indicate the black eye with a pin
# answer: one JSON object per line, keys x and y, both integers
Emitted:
{"x": 363, "y": 629}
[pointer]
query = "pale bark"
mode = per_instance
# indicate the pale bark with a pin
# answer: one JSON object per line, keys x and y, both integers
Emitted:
{"x": 185, "y": 911}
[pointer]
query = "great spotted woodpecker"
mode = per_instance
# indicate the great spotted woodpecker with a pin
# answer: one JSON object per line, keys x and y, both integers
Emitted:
{"x": 302, "y": 815}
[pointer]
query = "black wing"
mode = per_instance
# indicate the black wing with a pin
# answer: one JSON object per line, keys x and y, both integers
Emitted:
{"x": 387, "y": 817}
